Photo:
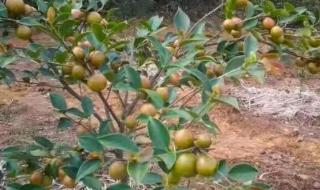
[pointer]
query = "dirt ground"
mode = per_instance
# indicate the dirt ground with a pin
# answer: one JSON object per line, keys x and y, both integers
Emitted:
{"x": 287, "y": 151}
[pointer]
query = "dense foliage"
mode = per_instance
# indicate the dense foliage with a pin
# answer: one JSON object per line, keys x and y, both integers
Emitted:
{"x": 150, "y": 84}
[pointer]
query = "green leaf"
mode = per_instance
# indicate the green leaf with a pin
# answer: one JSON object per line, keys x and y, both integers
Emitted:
{"x": 7, "y": 59}
{"x": 42, "y": 6}
{"x": 234, "y": 63}
{"x": 138, "y": 170}
{"x": 58, "y": 101}
{"x": 97, "y": 30}
{"x": 250, "y": 10}
{"x": 31, "y": 187}
{"x": 231, "y": 101}
{"x": 250, "y": 45}
{"x": 90, "y": 143}
{"x": 105, "y": 127}
{"x": 243, "y": 173}
{"x": 163, "y": 53}
{"x": 92, "y": 182}
{"x": 168, "y": 158}
{"x": 3, "y": 10}
{"x": 152, "y": 178}
{"x": 67, "y": 28}
{"x": 87, "y": 106}
{"x": 222, "y": 171}
{"x": 180, "y": 113}
{"x": 76, "y": 112}
{"x": 44, "y": 142}
{"x": 118, "y": 141}
{"x": 119, "y": 187}
{"x": 159, "y": 136}
{"x": 181, "y": 21}
{"x": 155, "y": 98}
{"x": 260, "y": 186}
{"x": 155, "y": 22}
{"x": 29, "y": 21}
{"x": 87, "y": 167}
{"x": 64, "y": 123}
{"x": 133, "y": 77}
{"x": 229, "y": 8}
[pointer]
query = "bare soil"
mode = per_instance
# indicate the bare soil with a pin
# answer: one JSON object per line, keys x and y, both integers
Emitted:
{"x": 287, "y": 151}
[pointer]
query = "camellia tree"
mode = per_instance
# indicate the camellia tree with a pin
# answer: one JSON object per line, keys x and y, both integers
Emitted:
{"x": 148, "y": 84}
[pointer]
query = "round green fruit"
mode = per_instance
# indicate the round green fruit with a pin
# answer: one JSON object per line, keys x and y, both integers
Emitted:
{"x": 78, "y": 72}
{"x": 131, "y": 122}
{"x": 203, "y": 140}
{"x": 185, "y": 165}
{"x": 97, "y": 58}
{"x": 313, "y": 68}
{"x": 183, "y": 139}
{"x": 118, "y": 170}
{"x": 23, "y": 32}
{"x": 206, "y": 166}
{"x": 97, "y": 82}
{"x": 276, "y": 32}
{"x": 228, "y": 24}
{"x": 148, "y": 109}
{"x": 94, "y": 18}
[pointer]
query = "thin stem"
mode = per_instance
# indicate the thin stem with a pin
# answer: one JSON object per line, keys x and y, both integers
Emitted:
{"x": 108, "y": 109}
{"x": 38, "y": 84}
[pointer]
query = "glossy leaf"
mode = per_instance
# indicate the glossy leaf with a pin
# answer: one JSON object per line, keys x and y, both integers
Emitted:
{"x": 87, "y": 106}
{"x": 234, "y": 63}
{"x": 92, "y": 182}
{"x": 250, "y": 45}
{"x": 138, "y": 170}
{"x": 90, "y": 143}
{"x": 152, "y": 178}
{"x": 133, "y": 77}
{"x": 58, "y": 101}
{"x": 118, "y": 141}
{"x": 46, "y": 143}
{"x": 159, "y": 136}
{"x": 119, "y": 187}
{"x": 243, "y": 173}
{"x": 87, "y": 167}
{"x": 64, "y": 123}
{"x": 181, "y": 20}
{"x": 155, "y": 98}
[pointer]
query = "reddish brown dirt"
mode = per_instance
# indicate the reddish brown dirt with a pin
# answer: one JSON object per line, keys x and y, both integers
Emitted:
{"x": 288, "y": 159}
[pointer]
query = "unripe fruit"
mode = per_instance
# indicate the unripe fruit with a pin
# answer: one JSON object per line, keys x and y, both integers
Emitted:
{"x": 300, "y": 62}
{"x": 97, "y": 58}
{"x": 314, "y": 42}
{"x": 104, "y": 22}
{"x": 81, "y": 130}
{"x": 235, "y": 33}
{"x": 78, "y": 72}
{"x": 171, "y": 179}
{"x": 29, "y": 9}
{"x": 36, "y": 178}
{"x": 228, "y": 24}
{"x": 185, "y": 165}
{"x": 276, "y": 32}
{"x": 313, "y": 68}
{"x": 94, "y": 18}
{"x": 67, "y": 68}
{"x": 242, "y": 3}
{"x": 278, "y": 40}
{"x": 131, "y": 122}
{"x": 68, "y": 182}
{"x": 183, "y": 139}
{"x": 118, "y": 170}
{"x": 163, "y": 92}
{"x": 203, "y": 140}
{"x": 97, "y": 82}
{"x": 148, "y": 109}
{"x": 145, "y": 82}
{"x": 85, "y": 44}
{"x": 77, "y": 14}
{"x": 61, "y": 174}
{"x": 23, "y": 32}
{"x": 51, "y": 15}
{"x": 15, "y": 7}
{"x": 174, "y": 79}
{"x": 47, "y": 181}
{"x": 237, "y": 23}
{"x": 95, "y": 156}
{"x": 206, "y": 166}
{"x": 78, "y": 53}
{"x": 268, "y": 23}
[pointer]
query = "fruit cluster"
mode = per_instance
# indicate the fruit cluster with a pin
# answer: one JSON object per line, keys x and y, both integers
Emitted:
{"x": 193, "y": 159}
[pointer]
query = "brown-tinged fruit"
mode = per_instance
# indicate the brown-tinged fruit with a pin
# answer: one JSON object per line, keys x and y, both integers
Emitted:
{"x": 68, "y": 182}
{"x": 118, "y": 170}
{"x": 78, "y": 72}
{"x": 97, "y": 82}
{"x": 183, "y": 139}
{"x": 36, "y": 178}
{"x": 23, "y": 32}
{"x": 268, "y": 23}
{"x": 145, "y": 82}
{"x": 148, "y": 109}
{"x": 97, "y": 58}
{"x": 78, "y": 53}
{"x": 174, "y": 79}
{"x": 131, "y": 122}
{"x": 163, "y": 92}
{"x": 15, "y": 7}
